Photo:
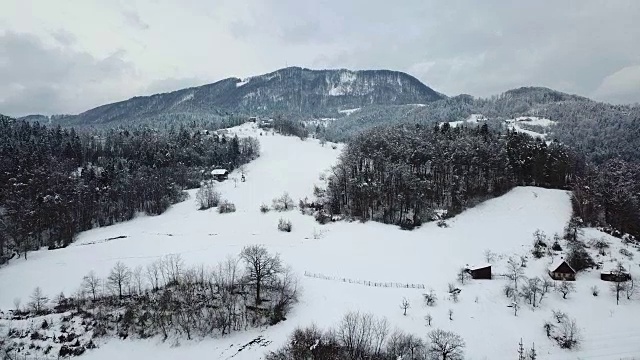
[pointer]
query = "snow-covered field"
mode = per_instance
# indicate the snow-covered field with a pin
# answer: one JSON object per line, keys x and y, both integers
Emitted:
{"x": 373, "y": 252}
{"x": 514, "y": 124}
{"x": 471, "y": 120}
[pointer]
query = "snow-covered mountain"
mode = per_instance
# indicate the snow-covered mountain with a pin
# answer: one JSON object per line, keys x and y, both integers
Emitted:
{"x": 289, "y": 90}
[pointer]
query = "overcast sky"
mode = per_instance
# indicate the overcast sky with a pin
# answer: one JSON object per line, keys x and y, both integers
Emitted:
{"x": 66, "y": 56}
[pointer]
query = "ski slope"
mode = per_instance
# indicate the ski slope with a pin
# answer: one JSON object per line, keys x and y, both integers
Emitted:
{"x": 369, "y": 251}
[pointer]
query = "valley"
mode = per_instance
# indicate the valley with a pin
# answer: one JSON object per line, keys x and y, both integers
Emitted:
{"x": 430, "y": 255}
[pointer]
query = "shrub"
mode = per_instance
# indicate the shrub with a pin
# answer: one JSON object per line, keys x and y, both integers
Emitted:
{"x": 430, "y": 298}
{"x": 264, "y": 208}
{"x": 595, "y": 291}
{"x": 284, "y": 225}
{"x": 323, "y": 217}
{"x": 226, "y": 207}
{"x": 556, "y": 246}
{"x": 207, "y": 196}
{"x": 283, "y": 203}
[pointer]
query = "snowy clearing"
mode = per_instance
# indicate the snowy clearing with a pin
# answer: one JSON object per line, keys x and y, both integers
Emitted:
{"x": 348, "y": 111}
{"x": 375, "y": 252}
{"x": 472, "y": 119}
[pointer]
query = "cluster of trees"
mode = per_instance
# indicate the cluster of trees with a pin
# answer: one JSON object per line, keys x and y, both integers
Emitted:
{"x": 55, "y": 182}
{"x": 608, "y": 194}
{"x": 564, "y": 331}
{"x": 401, "y": 174}
{"x": 363, "y": 336}
{"x": 605, "y": 136}
{"x": 290, "y": 127}
{"x": 169, "y": 298}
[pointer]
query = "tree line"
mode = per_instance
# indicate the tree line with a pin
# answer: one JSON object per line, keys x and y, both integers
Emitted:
{"x": 55, "y": 182}
{"x": 405, "y": 174}
{"x": 364, "y": 336}
{"x": 168, "y": 298}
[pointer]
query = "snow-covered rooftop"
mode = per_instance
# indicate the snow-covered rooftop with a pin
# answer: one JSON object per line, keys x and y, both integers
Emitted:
{"x": 219, "y": 171}
{"x": 478, "y": 266}
{"x": 556, "y": 264}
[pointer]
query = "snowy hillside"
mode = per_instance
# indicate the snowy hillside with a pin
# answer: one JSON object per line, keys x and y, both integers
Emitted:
{"x": 353, "y": 252}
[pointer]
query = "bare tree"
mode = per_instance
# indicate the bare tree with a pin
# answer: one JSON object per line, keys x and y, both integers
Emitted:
{"x": 515, "y": 305}
{"x": 38, "y": 300}
{"x": 405, "y": 305}
{"x": 283, "y": 203}
{"x": 356, "y": 334}
{"x": 545, "y": 286}
{"x": 567, "y": 334}
{"x": 445, "y": 345}
{"x": 404, "y": 346}
{"x": 619, "y": 285}
{"x": 119, "y": 278}
{"x": 91, "y": 284}
{"x": 137, "y": 279}
{"x": 262, "y": 267}
{"x": 463, "y": 275}
{"x": 16, "y": 304}
{"x": 171, "y": 268}
{"x": 489, "y": 256}
{"x": 515, "y": 272}
{"x": 153, "y": 274}
{"x": 286, "y": 291}
{"x": 565, "y": 288}
{"x": 227, "y": 278}
{"x": 428, "y": 319}
{"x": 630, "y": 288}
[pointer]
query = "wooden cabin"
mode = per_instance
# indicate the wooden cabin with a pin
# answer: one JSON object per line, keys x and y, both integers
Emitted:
{"x": 561, "y": 270}
{"x": 220, "y": 174}
{"x": 617, "y": 274}
{"x": 482, "y": 271}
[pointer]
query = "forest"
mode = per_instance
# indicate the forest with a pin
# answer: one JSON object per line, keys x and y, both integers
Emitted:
{"x": 406, "y": 175}
{"x": 55, "y": 182}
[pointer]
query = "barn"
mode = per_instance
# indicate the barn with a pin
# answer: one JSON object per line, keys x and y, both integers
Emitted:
{"x": 220, "y": 174}
{"x": 561, "y": 270}
{"x": 481, "y": 271}
{"x": 615, "y": 275}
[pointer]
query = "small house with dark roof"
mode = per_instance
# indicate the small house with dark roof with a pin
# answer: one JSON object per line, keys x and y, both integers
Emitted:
{"x": 617, "y": 274}
{"x": 480, "y": 271}
{"x": 220, "y": 174}
{"x": 561, "y": 270}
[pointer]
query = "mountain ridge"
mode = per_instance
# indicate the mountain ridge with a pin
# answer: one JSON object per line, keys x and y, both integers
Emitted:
{"x": 291, "y": 90}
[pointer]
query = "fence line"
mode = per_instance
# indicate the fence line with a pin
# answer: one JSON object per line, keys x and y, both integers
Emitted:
{"x": 365, "y": 282}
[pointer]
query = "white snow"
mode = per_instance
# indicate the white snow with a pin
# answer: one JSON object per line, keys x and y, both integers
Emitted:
{"x": 513, "y": 124}
{"x": 243, "y": 82}
{"x": 369, "y": 251}
{"x": 534, "y": 120}
{"x": 218, "y": 171}
{"x": 472, "y": 119}
{"x": 348, "y": 111}
{"x": 187, "y": 97}
{"x": 344, "y": 85}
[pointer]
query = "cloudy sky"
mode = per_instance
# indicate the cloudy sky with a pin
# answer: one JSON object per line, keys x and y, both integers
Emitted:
{"x": 67, "y": 56}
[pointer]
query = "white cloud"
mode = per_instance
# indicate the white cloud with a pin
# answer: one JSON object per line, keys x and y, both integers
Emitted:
{"x": 623, "y": 86}
{"x": 480, "y": 48}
